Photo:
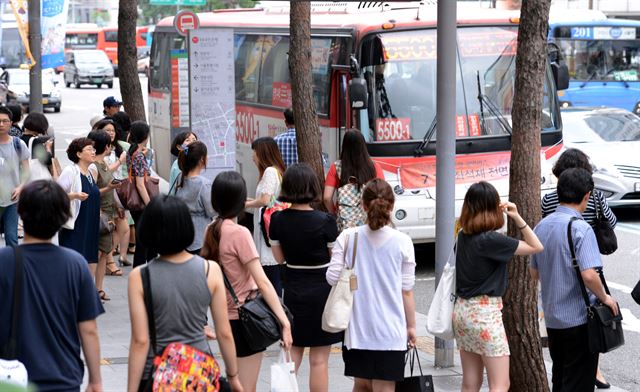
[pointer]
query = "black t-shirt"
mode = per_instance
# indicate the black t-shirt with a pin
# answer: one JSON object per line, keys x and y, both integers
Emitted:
{"x": 481, "y": 263}
{"x": 304, "y": 235}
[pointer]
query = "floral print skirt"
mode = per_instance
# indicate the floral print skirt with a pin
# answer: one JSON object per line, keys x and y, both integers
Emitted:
{"x": 478, "y": 328}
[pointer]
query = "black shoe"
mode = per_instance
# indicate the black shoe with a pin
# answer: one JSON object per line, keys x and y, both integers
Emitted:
{"x": 602, "y": 385}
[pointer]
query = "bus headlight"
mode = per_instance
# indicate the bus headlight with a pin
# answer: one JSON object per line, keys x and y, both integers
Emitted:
{"x": 565, "y": 104}
{"x": 398, "y": 190}
{"x": 401, "y": 214}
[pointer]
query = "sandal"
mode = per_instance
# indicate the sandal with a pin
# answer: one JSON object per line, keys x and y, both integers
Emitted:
{"x": 131, "y": 249}
{"x": 103, "y": 296}
{"x": 113, "y": 272}
{"x": 124, "y": 262}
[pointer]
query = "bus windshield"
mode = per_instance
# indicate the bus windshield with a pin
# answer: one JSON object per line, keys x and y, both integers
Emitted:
{"x": 602, "y": 60}
{"x": 400, "y": 70}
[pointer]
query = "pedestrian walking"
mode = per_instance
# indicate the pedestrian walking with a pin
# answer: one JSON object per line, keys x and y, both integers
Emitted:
{"x": 482, "y": 256}
{"x": 574, "y": 158}
{"x": 139, "y": 169}
{"x": 574, "y": 366}
{"x": 195, "y": 191}
{"x": 287, "y": 141}
{"x": 14, "y": 171}
{"x": 182, "y": 284}
{"x": 232, "y": 246}
{"x": 182, "y": 140}
{"x": 304, "y": 237}
{"x": 117, "y": 164}
{"x": 374, "y": 349}
{"x": 80, "y": 185}
{"x": 104, "y": 180}
{"x": 347, "y": 177}
{"x": 267, "y": 158}
{"x": 59, "y": 304}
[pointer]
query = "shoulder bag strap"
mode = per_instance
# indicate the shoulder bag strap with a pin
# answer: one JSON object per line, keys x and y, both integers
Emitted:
{"x": 574, "y": 262}
{"x": 229, "y": 287}
{"x": 10, "y": 350}
{"x": 175, "y": 181}
{"x": 148, "y": 304}
{"x": 344, "y": 251}
{"x": 597, "y": 206}
{"x": 355, "y": 248}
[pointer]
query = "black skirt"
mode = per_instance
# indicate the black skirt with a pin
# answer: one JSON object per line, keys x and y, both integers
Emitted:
{"x": 305, "y": 294}
{"x": 374, "y": 364}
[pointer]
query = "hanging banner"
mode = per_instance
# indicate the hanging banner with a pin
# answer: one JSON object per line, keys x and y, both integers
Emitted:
{"x": 54, "y": 18}
{"x": 20, "y": 8}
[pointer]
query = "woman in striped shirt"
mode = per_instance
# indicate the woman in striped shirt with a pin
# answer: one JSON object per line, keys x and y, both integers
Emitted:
{"x": 574, "y": 158}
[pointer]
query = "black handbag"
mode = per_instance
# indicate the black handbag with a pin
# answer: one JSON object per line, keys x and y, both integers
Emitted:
{"x": 635, "y": 293}
{"x": 604, "y": 329}
{"x": 607, "y": 240}
{"x": 415, "y": 383}
{"x": 260, "y": 326}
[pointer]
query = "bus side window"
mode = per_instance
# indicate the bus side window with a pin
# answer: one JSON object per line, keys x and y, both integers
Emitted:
{"x": 160, "y": 75}
{"x": 247, "y": 64}
{"x": 275, "y": 76}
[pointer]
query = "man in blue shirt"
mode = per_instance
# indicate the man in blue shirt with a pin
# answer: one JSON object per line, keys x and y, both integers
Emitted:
{"x": 59, "y": 301}
{"x": 286, "y": 141}
{"x": 565, "y": 313}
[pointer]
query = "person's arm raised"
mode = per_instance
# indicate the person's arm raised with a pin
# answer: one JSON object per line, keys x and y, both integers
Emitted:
{"x": 531, "y": 244}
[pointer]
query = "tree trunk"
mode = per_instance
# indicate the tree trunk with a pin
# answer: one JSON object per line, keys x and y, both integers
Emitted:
{"x": 520, "y": 312}
{"x": 304, "y": 107}
{"x": 130, "y": 89}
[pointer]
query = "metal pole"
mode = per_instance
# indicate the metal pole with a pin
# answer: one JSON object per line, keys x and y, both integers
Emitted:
{"x": 35, "y": 74}
{"x": 445, "y": 153}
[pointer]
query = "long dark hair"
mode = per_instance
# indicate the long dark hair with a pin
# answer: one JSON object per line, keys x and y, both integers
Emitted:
{"x": 268, "y": 154}
{"x": 190, "y": 157}
{"x": 228, "y": 195}
{"x": 138, "y": 133}
{"x": 354, "y": 159}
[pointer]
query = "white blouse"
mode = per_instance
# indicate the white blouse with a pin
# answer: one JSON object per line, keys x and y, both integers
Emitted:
{"x": 269, "y": 185}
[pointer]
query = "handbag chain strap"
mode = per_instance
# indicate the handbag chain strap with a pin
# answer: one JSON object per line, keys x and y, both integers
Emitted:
{"x": 10, "y": 350}
{"x": 576, "y": 267}
{"x": 148, "y": 304}
{"x": 597, "y": 205}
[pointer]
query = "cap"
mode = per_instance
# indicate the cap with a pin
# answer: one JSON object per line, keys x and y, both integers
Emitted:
{"x": 111, "y": 101}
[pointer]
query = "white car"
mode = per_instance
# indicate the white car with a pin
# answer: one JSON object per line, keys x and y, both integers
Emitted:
{"x": 611, "y": 139}
{"x": 19, "y": 85}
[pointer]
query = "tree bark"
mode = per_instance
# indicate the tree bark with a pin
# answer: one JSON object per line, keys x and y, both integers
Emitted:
{"x": 304, "y": 107}
{"x": 130, "y": 89}
{"x": 527, "y": 370}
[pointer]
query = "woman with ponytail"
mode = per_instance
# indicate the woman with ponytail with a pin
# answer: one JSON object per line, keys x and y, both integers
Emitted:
{"x": 139, "y": 169}
{"x": 232, "y": 246}
{"x": 374, "y": 352}
{"x": 195, "y": 190}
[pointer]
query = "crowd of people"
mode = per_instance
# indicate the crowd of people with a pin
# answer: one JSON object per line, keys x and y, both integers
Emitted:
{"x": 199, "y": 257}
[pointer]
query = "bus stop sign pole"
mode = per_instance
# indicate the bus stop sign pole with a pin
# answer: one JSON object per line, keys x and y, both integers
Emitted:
{"x": 445, "y": 153}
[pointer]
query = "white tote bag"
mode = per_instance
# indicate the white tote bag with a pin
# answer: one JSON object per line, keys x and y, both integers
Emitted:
{"x": 440, "y": 316}
{"x": 337, "y": 309}
{"x": 283, "y": 374}
{"x": 37, "y": 171}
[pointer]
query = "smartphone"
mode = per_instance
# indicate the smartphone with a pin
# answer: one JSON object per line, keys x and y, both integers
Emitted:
{"x": 115, "y": 181}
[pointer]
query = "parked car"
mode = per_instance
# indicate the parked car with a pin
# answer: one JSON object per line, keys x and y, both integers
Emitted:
{"x": 611, "y": 139}
{"x": 87, "y": 67}
{"x": 19, "y": 86}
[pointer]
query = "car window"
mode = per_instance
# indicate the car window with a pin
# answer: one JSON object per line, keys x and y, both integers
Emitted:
{"x": 599, "y": 127}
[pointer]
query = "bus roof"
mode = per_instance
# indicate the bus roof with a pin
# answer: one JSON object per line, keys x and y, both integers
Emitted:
{"x": 578, "y": 17}
{"x": 346, "y": 17}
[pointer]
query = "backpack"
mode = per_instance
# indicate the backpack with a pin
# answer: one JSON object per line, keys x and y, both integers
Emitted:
{"x": 350, "y": 211}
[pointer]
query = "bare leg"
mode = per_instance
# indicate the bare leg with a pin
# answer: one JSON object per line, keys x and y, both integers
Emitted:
{"x": 497, "y": 373}
{"x": 122, "y": 237}
{"x": 383, "y": 386}
{"x": 472, "y": 368}
{"x": 99, "y": 269}
{"x": 296, "y": 355}
{"x": 362, "y": 385}
{"x": 249, "y": 369}
{"x": 319, "y": 368}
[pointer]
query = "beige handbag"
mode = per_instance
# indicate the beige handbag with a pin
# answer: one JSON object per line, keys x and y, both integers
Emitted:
{"x": 337, "y": 310}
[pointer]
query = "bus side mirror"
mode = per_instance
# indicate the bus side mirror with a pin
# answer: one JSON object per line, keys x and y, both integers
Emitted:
{"x": 358, "y": 96}
{"x": 560, "y": 75}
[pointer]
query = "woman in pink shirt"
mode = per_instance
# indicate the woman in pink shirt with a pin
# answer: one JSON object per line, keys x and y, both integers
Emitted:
{"x": 233, "y": 247}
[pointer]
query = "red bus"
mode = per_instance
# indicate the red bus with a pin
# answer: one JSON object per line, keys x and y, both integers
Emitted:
{"x": 394, "y": 51}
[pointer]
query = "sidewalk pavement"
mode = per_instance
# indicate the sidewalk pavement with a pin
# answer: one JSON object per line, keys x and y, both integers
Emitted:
{"x": 114, "y": 329}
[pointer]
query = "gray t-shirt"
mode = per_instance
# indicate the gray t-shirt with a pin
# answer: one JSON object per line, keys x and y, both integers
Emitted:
{"x": 196, "y": 193}
{"x": 10, "y": 157}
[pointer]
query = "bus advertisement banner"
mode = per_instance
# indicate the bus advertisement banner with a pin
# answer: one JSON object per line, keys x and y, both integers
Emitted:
{"x": 212, "y": 95}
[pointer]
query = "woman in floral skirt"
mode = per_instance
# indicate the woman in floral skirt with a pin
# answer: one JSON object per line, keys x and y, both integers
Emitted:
{"x": 481, "y": 280}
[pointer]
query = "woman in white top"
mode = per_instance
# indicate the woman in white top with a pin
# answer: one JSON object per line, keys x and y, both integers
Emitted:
{"x": 268, "y": 159}
{"x": 374, "y": 352}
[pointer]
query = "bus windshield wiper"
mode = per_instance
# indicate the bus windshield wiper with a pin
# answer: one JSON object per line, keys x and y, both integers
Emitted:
{"x": 493, "y": 109}
{"x": 590, "y": 78}
{"x": 427, "y": 137}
